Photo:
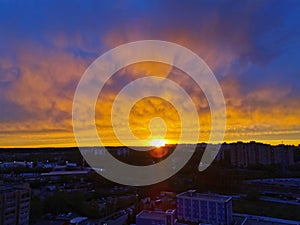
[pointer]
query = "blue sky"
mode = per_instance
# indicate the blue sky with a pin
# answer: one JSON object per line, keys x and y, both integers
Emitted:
{"x": 253, "y": 47}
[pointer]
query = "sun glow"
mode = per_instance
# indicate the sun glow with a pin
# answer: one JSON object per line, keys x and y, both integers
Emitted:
{"x": 158, "y": 143}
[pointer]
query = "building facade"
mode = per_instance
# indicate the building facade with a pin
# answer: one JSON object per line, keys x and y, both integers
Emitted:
{"x": 205, "y": 208}
{"x": 147, "y": 217}
{"x": 246, "y": 154}
{"x": 14, "y": 204}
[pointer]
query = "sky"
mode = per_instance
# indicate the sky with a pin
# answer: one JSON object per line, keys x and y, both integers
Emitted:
{"x": 252, "y": 47}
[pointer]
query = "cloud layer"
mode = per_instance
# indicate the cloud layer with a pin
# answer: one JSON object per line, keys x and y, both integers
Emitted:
{"x": 251, "y": 46}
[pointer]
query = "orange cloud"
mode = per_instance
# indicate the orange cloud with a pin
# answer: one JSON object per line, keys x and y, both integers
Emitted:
{"x": 47, "y": 83}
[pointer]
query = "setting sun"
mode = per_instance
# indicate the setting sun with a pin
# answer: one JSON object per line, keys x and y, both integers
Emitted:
{"x": 158, "y": 143}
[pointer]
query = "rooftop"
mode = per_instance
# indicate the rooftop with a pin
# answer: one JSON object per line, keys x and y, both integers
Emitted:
{"x": 154, "y": 214}
{"x": 78, "y": 219}
{"x": 59, "y": 173}
{"x": 257, "y": 220}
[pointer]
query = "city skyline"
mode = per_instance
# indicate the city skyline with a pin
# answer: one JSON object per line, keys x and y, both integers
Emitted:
{"x": 251, "y": 47}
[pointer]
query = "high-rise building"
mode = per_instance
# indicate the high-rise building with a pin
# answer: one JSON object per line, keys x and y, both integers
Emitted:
{"x": 147, "y": 217}
{"x": 246, "y": 154}
{"x": 205, "y": 208}
{"x": 14, "y": 204}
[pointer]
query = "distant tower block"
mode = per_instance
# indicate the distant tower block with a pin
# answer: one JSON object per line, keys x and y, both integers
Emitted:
{"x": 284, "y": 155}
{"x": 82, "y": 165}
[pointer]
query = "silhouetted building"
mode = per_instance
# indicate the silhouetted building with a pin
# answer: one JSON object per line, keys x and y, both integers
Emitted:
{"x": 14, "y": 204}
{"x": 245, "y": 154}
{"x": 206, "y": 208}
{"x": 147, "y": 217}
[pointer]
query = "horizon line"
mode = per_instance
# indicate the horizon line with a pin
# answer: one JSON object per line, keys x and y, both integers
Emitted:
{"x": 118, "y": 146}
